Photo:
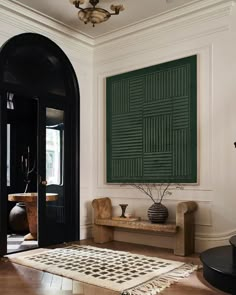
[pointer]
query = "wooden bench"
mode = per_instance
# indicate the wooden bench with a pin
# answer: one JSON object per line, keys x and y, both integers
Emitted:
{"x": 183, "y": 229}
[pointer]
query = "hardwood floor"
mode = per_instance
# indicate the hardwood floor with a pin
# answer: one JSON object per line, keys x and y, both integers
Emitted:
{"x": 19, "y": 280}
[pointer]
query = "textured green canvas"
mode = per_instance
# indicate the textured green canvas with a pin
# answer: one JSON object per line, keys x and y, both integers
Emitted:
{"x": 152, "y": 124}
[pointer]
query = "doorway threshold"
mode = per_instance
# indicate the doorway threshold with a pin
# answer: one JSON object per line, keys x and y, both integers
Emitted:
{"x": 16, "y": 243}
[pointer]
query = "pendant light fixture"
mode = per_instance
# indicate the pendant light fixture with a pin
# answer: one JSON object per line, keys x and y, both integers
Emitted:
{"x": 94, "y": 14}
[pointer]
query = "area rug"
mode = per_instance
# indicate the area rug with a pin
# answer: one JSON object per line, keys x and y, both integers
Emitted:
{"x": 127, "y": 273}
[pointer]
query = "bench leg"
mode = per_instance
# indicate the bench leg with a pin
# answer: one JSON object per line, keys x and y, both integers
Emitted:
{"x": 102, "y": 234}
{"x": 184, "y": 244}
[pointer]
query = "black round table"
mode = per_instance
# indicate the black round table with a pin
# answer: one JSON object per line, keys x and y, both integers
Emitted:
{"x": 219, "y": 269}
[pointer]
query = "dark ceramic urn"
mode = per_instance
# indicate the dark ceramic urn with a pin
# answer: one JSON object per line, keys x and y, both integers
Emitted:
{"x": 157, "y": 213}
{"x": 18, "y": 219}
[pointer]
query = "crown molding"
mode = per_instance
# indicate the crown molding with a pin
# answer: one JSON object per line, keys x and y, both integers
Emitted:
{"x": 189, "y": 13}
{"x": 105, "y": 54}
{"x": 17, "y": 11}
{"x": 183, "y": 16}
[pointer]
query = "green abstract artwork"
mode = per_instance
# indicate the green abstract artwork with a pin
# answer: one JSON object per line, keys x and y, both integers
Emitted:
{"x": 152, "y": 124}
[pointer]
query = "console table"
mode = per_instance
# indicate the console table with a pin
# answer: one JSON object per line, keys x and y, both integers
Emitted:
{"x": 30, "y": 200}
{"x": 183, "y": 228}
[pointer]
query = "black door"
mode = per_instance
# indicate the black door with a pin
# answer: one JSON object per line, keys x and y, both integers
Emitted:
{"x": 3, "y": 174}
{"x": 55, "y": 202}
{"x": 35, "y": 66}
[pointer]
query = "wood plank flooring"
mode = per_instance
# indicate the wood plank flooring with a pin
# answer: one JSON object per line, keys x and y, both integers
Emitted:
{"x": 20, "y": 280}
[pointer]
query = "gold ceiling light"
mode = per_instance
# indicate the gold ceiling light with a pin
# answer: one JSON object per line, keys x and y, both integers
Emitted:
{"x": 95, "y": 15}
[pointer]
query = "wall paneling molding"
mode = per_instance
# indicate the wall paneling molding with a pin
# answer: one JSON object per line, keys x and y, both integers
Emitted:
{"x": 204, "y": 92}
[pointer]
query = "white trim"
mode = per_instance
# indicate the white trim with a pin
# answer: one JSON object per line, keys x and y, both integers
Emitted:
{"x": 105, "y": 55}
{"x": 183, "y": 16}
{"x": 215, "y": 236}
{"x": 86, "y": 231}
{"x": 205, "y": 53}
{"x": 23, "y": 25}
{"x": 197, "y": 12}
{"x": 20, "y": 10}
{"x": 172, "y": 198}
{"x": 203, "y": 241}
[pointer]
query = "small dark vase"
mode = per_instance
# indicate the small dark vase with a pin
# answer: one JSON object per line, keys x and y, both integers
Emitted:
{"x": 157, "y": 213}
{"x": 123, "y": 208}
{"x": 18, "y": 219}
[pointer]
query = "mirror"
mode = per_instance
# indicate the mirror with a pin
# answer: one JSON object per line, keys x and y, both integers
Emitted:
{"x": 55, "y": 164}
{"x": 54, "y": 146}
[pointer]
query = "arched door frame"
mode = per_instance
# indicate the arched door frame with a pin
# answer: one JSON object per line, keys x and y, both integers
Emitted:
{"x": 72, "y": 98}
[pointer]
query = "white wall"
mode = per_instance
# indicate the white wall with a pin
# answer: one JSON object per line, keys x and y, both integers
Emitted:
{"x": 207, "y": 29}
{"x": 81, "y": 57}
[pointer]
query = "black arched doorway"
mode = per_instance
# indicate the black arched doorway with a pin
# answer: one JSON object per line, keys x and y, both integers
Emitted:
{"x": 39, "y": 131}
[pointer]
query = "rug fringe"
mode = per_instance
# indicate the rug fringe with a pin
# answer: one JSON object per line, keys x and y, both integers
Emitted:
{"x": 160, "y": 283}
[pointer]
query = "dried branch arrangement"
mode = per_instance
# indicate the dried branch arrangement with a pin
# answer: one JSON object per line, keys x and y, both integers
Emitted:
{"x": 158, "y": 189}
{"x": 26, "y": 168}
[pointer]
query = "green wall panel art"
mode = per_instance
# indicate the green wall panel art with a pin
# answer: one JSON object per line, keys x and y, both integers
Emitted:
{"x": 152, "y": 124}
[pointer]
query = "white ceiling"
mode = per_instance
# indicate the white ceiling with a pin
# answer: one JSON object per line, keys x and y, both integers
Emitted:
{"x": 135, "y": 11}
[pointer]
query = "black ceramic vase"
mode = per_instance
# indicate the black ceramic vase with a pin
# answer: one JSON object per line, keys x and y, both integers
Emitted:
{"x": 18, "y": 219}
{"x": 157, "y": 213}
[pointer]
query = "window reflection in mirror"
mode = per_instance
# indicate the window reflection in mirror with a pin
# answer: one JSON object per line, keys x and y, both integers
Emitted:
{"x": 54, "y": 146}
{"x": 11, "y": 107}
{"x": 8, "y": 155}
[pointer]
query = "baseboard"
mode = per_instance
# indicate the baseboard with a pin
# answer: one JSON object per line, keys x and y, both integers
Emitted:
{"x": 86, "y": 231}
